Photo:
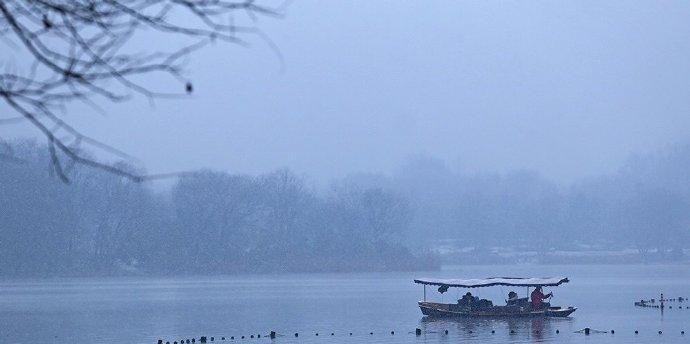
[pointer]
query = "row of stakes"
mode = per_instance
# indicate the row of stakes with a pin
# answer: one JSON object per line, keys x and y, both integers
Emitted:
{"x": 418, "y": 332}
{"x": 639, "y": 304}
{"x": 652, "y": 303}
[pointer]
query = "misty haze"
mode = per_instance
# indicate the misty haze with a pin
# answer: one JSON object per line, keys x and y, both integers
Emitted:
{"x": 344, "y": 171}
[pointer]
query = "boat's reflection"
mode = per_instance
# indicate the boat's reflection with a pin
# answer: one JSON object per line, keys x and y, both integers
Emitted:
{"x": 534, "y": 329}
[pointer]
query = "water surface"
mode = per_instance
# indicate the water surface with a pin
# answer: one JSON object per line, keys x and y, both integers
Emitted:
{"x": 142, "y": 310}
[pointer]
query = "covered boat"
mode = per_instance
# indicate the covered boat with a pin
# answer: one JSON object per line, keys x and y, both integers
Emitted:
{"x": 471, "y": 306}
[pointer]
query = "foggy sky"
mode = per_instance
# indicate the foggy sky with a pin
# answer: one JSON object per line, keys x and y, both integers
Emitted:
{"x": 568, "y": 89}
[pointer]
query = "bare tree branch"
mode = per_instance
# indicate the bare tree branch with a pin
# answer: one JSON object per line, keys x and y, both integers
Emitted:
{"x": 80, "y": 51}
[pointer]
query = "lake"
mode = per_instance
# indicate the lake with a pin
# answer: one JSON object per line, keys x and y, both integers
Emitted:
{"x": 142, "y": 310}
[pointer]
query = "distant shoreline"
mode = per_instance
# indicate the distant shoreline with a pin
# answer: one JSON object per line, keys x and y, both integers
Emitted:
{"x": 562, "y": 257}
{"x": 443, "y": 267}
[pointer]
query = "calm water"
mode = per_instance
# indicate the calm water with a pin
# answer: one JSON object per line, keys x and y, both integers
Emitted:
{"x": 141, "y": 310}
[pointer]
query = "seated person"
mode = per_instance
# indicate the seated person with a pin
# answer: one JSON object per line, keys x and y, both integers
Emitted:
{"x": 467, "y": 300}
{"x": 512, "y": 298}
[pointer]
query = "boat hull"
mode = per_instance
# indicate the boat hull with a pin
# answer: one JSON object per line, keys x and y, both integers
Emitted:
{"x": 433, "y": 309}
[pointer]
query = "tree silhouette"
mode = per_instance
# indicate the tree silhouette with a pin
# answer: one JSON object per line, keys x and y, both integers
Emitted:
{"x": 82, "y": 50}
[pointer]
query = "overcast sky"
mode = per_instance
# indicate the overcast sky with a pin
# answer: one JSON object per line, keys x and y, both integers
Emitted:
{"x": 569, "y": 89}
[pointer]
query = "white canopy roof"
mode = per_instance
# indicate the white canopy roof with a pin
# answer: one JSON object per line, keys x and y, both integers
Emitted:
{"x": 493, "y": 281}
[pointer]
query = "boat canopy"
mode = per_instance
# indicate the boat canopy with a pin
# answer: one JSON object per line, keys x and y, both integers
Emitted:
{"x": 495, "y": 281}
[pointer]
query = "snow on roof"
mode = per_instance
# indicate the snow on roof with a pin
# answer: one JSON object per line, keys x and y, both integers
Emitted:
{"x": 494, "y": 281}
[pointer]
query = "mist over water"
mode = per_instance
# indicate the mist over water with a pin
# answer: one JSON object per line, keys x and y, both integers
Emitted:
{"x": 298, "y": 183}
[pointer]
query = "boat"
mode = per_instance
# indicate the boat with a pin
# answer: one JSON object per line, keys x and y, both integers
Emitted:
{"x": 471, "y": 306}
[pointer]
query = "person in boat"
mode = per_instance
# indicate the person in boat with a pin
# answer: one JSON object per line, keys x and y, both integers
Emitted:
{"x": 515, "y": 300}
{"x": 538, "y": 298}
{"x": 467, "y": 300}
{"x": 512, "y": 298}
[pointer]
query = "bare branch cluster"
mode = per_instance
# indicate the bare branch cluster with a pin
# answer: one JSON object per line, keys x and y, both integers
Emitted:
{"x": 80, "y": 50}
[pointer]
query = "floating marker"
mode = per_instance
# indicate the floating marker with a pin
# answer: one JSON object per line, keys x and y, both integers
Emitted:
{"x": 418, "y": 331}
{"x": 512, "y": 331}
{"x": 612, "y": 331}
{"x": 493, "y": 331}
{"x": 446, "y": 331}
{"x": 202, "y": 339}
{"x": 332, "y": 334}
{"x": 392, "y": 332}
{"x": 587, "y": 329}
{"x": 660, "y": 332}
{"x": 160, "y": 341}
{"x": 557, "y": 331}
{"x": 272, "y": 334}
{"x": 296, "y": 334}
{"x": 636, "y": 332}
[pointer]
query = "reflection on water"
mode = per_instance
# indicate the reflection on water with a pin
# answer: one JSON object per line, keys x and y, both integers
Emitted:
{"x": 532, "y": 329}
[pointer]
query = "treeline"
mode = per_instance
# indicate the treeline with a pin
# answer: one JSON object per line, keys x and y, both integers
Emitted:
{"x": 644, "y": 205}
{"x": 208, "y": 223}
{"x": 214, "y": 222}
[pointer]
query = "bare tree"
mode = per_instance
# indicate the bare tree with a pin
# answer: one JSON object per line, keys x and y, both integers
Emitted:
{"x": 81, "y": 50}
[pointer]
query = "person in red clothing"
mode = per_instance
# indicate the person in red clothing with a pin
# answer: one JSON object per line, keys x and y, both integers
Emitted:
{"x": 538, "y": 298}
